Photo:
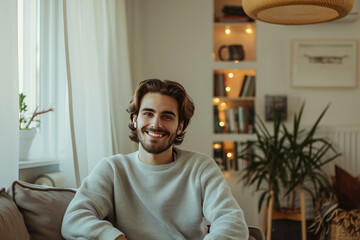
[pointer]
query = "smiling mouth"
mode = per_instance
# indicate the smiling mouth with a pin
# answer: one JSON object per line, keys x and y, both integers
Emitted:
{"x": 155, "y": 134}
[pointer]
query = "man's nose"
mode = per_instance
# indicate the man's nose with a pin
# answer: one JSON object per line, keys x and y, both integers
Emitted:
{"x": 156, "y": 122}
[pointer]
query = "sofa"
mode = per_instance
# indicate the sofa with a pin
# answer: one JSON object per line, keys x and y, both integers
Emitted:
{"x": 29, "y": 211}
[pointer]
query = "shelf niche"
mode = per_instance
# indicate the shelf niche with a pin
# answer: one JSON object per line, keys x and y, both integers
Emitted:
{"x": 233, "y": 30}
{"x": 234, "y": 101}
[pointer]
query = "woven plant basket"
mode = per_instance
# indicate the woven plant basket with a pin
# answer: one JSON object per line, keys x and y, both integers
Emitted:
{"x": 338, "y": 232}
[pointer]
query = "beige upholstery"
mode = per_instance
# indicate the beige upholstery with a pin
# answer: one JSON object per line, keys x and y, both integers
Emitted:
{"x": 43, "y": 208}
{"x": 256, "y": 233}
{"x": 12, "y": 225}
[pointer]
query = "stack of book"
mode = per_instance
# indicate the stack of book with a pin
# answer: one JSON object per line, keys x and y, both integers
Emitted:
{"x": 235, "y": 162}
{"x": 248, "y": 86}
{"x": 238, "y": 120}
{"x": 247, "y": 89}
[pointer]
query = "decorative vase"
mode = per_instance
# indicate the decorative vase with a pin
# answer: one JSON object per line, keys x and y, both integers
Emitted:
{"x": 26, "y": 138}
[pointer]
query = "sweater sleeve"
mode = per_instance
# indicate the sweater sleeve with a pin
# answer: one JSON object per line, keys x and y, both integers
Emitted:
{"x": 220, "y": 208}
{"x": 92, "y": 202}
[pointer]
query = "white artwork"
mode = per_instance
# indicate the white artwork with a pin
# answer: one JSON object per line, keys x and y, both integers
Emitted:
{"x": 324, "y": 63}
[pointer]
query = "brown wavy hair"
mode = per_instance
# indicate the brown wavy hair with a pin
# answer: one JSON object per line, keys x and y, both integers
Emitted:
{"x": 173, "y": 89}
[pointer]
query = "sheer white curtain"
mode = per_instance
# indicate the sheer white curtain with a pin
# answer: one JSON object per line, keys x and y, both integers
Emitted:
{"x": 100, "y": 82}
{"x": 9, "y": 98}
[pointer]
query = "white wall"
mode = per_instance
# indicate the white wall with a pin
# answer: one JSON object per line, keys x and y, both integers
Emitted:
{"x": 173, "y": 40}
{"x": 9, "y": 150}
{"x": 273, "y": 76}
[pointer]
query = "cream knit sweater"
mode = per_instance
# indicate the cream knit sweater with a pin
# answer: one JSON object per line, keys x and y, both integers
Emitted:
{"x": 160, "y": 202}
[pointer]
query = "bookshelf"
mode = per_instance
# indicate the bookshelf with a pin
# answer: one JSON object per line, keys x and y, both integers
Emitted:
{"x": 234, "y": 83}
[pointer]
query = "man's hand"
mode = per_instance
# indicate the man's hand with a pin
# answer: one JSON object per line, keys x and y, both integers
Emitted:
{"x": 122, "y": 237}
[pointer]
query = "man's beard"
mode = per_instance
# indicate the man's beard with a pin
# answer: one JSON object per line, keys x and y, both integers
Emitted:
{"x": 155, "y": 148}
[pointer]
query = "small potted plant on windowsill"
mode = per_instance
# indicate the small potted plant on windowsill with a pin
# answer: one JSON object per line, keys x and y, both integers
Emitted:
{"x": 27, "y": 126}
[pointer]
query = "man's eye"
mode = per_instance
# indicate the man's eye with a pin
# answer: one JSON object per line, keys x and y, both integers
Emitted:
{"x": 147, "y": 114}
{"x": 167, "y": 117}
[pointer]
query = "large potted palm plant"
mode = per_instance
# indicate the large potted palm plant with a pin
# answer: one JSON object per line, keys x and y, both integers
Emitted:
{"x": 284, "y": 161}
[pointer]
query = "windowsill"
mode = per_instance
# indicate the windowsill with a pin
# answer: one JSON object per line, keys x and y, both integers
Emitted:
{"x": 37, "y": 163}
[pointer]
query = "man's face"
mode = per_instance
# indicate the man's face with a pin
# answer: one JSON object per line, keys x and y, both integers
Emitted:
{"x": 157, "y": 123}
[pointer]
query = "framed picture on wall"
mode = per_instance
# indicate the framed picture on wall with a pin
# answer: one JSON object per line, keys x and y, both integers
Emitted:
{"x": 324, "y": 63}
{"x": 275, "y": 104}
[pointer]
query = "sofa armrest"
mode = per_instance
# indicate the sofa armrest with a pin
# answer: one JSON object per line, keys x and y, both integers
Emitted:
{"x": 12, "y": 225}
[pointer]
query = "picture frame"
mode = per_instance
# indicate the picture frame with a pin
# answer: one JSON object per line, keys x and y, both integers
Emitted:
{"x": 324, "y": 63}
{"x": 275, "y": 104}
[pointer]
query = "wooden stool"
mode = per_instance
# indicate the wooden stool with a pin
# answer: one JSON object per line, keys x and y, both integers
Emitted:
{"x": 297, "y": 215}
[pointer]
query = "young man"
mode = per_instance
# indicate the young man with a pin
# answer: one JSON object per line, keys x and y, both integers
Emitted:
{"x": 158, "y": 192}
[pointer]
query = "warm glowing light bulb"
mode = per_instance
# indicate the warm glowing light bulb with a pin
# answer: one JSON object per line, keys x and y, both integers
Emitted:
{"x": 227, "y": 30}
{"x": 229, "y": 155}
{"x": 231, "y": 75}
{"x": 216, "y": 100}
{"x": 223, "y": 105}
{"x": 228, "y": 89}
{"x": 221, "y": 124}
{"x": 249, "y": 30}
{"x": 216, "y": 146}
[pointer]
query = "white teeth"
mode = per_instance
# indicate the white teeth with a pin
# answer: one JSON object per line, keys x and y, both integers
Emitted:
{"x": 154, "y": 134}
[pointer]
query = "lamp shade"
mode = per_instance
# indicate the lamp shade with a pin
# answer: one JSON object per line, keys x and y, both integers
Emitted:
{"x": 294, "y": 12}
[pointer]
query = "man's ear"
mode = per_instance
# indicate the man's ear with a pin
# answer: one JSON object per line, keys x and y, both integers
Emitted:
{"x": 134, "y": 120}
{"x": 180, "y": 128}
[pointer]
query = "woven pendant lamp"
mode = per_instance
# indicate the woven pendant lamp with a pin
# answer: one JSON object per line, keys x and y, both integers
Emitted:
{"x": 294, "y": 12}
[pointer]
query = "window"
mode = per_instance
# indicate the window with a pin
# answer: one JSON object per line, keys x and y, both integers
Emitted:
{"x": 42, "y": 73}
{"x": 28, "y": 46}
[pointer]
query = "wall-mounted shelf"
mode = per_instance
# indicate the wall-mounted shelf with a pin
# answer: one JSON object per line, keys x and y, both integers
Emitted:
{"x": 234, "y": 65}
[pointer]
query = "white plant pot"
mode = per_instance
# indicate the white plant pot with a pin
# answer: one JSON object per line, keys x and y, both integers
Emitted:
{"x": 26, "y": 138}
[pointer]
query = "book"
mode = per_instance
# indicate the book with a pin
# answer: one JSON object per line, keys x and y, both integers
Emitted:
{"x": 241, "y": 119}
{"x": 230, "y": 114}
{"x": 251, "y": 118}
{"x": 251, "y": 91}
{"x": 218, "y": 154}
{"x": 217, "y": 127}
{"x": 243, "y": 85}
{"x": 245, "y": 152}
{"x": 246, "y": 86}
{"x": 235, "y": 156}
{"x": 240, "y": 147}
{"x": 230, "y": 164}
{"x": 236, "y": 110}
{"x": 219, "y": 85}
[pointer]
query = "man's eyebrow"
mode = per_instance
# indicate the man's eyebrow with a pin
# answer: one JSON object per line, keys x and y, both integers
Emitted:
{"x": 147, "y": 110}
{"x": 152, "y": 110}
{"x": 169, "y": 112}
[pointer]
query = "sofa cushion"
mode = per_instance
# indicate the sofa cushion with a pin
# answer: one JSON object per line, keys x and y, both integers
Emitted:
{"x": 43, "y": 208}
{"x": 347, "y": 189}
{"x": 12, "y": 225}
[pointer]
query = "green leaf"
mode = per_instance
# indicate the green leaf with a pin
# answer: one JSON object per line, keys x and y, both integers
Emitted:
{"x": 287, "y": 159}
{"x": 261, "y": 200}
